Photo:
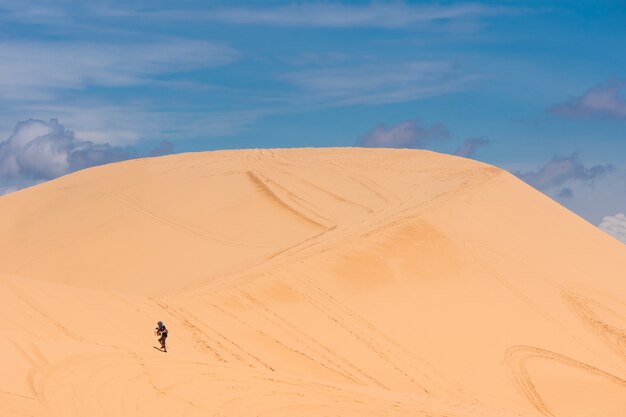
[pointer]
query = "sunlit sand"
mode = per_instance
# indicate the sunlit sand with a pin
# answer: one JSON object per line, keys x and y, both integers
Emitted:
{"x": 307, "y": 282}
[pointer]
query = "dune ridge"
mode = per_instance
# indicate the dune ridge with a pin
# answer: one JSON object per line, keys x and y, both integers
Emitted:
{"x": 307, "y": 282}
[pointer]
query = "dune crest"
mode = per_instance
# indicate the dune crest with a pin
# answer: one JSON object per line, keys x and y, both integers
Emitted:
{"x": 307, "y": 282}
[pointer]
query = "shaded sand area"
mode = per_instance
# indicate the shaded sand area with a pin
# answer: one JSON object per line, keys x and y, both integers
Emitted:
{"x": 307, "y": 282}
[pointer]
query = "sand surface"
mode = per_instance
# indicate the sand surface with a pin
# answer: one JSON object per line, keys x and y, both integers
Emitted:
{"x": 307, "y": 282}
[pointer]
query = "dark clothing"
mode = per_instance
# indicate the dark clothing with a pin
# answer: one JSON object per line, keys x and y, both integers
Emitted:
{"x": 162, "y": 331}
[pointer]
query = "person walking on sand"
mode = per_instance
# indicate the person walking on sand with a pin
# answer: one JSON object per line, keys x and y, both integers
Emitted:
{"x": 161, "y": 331}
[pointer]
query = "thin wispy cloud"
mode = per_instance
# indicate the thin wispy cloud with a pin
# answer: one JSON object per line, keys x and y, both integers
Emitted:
{"x": 115, "y": 89}
{"x": 607, "y": 100}
{"x": 129, "y": 123}
{"x": 387, "y": 15}
{"x": 31, "y": 11}
{"x": 326, "y": 14}
{"x": 378, "y": 83}
{"x": 35, "y": 70}
{"x": 207, "y": 75}
{"x": 54, "y": 79}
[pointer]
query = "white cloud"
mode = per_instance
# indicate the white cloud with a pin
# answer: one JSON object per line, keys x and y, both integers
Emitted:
{"x": 615, "y": 226}
{"x": 39, "y": 150}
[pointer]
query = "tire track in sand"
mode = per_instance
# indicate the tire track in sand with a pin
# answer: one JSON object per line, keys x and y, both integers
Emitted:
{"x": 516, "y": 358}
{"x": 590, "y": 311}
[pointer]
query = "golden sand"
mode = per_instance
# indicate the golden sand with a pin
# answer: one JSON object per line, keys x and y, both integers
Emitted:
{"x": 307, "y": 282}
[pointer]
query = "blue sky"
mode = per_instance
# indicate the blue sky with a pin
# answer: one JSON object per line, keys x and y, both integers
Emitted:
{"x": 534, "y": 87}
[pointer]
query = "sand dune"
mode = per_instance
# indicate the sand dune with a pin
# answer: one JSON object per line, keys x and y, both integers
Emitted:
{"x": 307, "y": 282}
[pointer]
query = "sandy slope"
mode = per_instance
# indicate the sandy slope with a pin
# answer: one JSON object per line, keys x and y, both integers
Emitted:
{"x": 326, "y": 282}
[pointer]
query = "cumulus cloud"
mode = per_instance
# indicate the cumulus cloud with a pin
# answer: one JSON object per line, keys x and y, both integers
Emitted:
{"x": 603, "y": 100}
{"x": 559, "y": 170}
{"x": 40, "y": 150}
{"x": 470, "y": 146}
{"x": 593, "y": 200}
{"x": 43, "y": 150}
{"x": 615, "y": 226}
{"x": 409, "y": 134}
{"x": 6, "y": 189}
{"x": 566, "y": 193}
{"x": 589, "y": 190}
